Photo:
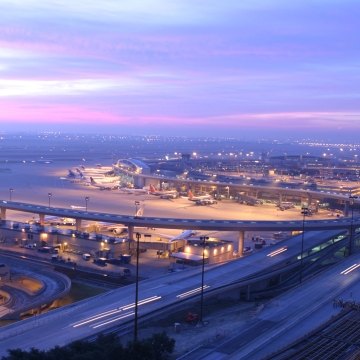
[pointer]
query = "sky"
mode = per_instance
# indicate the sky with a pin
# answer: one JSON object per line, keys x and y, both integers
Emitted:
{"x": 181, "y": 67}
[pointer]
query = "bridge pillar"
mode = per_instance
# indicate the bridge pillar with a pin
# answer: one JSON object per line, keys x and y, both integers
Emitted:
{"x": 3, "y": 213}
{"x": 351, "y": 235}
{"x": 309, "y": 200}
{"x": 248, "y": 293}
{"x": 42, "y": 219}
{"x": 78, "y": 224}
{"x": 131, "y": 232}
{"x": 241, "y": 242}
{"x": 346, "y": 208}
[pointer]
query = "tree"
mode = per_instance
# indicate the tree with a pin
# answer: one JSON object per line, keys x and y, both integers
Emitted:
{"x": 105, "y": 347}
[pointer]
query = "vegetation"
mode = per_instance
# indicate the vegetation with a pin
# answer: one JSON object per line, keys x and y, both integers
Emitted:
{"x": 106, "y": 347}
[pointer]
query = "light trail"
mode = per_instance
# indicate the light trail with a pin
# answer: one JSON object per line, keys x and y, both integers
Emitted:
{"x": 115, "y": 311}
{"x": 192, "y": 292}
{"x": 277, "y": 252}
{"x": 113, "y": 320}
{"x": 350, "y": 269}
{"x": 97, "y": 317}
{"x": 142, "y": 302}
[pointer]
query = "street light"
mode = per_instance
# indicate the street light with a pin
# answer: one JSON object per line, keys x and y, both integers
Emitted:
{"x": 138, "y": 235}
{"x": 137, "y": 203}
{"x": 10, "y": 193}
{"x": 86, "y": 202}
{"x": 203, "y": 242}
{"x": 304, "y": 211}
{"x": 49, "y": 196}
{"x": 352, "y": 201}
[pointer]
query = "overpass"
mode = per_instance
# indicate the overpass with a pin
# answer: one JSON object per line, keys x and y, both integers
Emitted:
{"x": 177, "y": 223}
{"x": 115, "y": 309}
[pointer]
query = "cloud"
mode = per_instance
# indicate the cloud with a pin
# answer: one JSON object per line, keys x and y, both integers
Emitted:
{"x": 239, "y": 63}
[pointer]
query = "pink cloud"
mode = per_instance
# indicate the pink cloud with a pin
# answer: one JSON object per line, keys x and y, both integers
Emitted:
{"x": 53, "y": 113}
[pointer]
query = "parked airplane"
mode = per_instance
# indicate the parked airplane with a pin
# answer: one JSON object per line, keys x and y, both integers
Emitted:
{"x": 77, "y": 207}
{"x": 192, "y": 197}
{"x": 126, "y": 190}
{"x": 104, "y": 185}
{"x": 205, "y": 202}
{"x": 183, "y": 235}
{"x": 164, "y": 194}
{"x": 248, "y": 200}
{"x": 75, "y": 174}
{"x": 118, "y": 230}
{"x": 285, "y": 205}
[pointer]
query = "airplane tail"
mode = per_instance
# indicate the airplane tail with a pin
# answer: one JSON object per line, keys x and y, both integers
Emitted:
{"x": 92, "y": 181}
{"x": 152, "y": 189}
{"x": 140, "y": 211}
{"x": 190, "y": 194}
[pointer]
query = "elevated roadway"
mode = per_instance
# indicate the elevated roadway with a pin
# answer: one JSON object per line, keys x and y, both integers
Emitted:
{"x": 289, "y": 317}
{"x": 177, "y": 223}
{"x": 116, "y": 308}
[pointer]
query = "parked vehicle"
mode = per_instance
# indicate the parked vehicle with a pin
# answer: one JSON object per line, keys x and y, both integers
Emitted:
{"x": 100, "y": 261}
{"x": 86, "y": 257}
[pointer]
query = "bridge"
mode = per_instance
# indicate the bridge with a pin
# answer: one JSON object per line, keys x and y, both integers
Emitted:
{"x": 349, "y": 223}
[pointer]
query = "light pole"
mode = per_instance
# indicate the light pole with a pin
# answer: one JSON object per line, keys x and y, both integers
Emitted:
{"x": 49, "y": 196}
{"x": 10, "y": 193}
{"x": 352, "y": 201}
{"x": 137, "y": 203}
{"x": 203, "y": 242}
{"x": 304, "y": 212}
{"x": 138, "y": 235}
{"x": 86, "y": 202}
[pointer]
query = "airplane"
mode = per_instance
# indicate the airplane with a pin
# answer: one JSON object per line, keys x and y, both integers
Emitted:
{"x": 117, "y": 229}
{"x": 183, "y": 235}
{"x": 248, "y": 200}
{"x": 285, "y": 205}
{"x": 126, "y": 190}
{"x": 77, "y": 207}
{"x": 192, "y": 197}
{"x": 75, "y": 174}
{"x": 164, "y": 194}
{"x": 104, "y": 185}
{"x": 205, "y": 202}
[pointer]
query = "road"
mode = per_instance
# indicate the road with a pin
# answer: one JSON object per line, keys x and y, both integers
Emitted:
{"x": 88, "y": 317}
{"x": 183, "y": 223}
{"x": 296, "y": 312}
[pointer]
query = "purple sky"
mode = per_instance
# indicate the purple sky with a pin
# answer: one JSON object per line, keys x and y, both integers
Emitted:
{"x": 181, "y": 67}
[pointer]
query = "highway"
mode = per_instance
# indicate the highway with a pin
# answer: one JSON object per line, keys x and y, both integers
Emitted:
{"x": 177, "y": 223}
{"x": 288, "y": 317}
{"x": 115, "y": 308}
{"x": 296, "y": 312}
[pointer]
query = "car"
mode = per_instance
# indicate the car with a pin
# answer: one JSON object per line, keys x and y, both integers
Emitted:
{"x": 100, "y": 261}
{"x": 247, "y": 250}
